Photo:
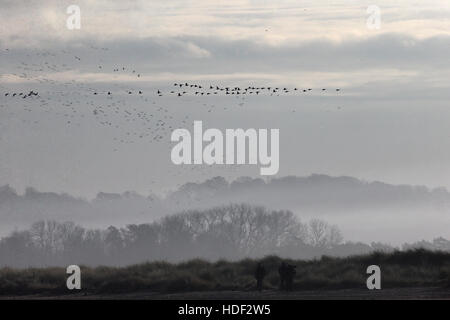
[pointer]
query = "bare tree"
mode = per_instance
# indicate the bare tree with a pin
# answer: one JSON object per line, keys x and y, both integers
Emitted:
{"x": 232, "y": 232}
{"x": 334, "y": 236}
{"x": 318, "y": 233}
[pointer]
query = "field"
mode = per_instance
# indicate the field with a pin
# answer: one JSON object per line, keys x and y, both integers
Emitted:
{"x": 404, "y": 275}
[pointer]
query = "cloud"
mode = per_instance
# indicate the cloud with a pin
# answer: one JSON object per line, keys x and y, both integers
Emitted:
{"x": 26, "y": 23}
{"x": 387, "y": 58}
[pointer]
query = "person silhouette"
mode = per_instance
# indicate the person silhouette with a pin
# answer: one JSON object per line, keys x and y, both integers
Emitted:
{"x": 282, "y": 272}
{"x": 290, "y": 274}
{"x": 260, "y": 273}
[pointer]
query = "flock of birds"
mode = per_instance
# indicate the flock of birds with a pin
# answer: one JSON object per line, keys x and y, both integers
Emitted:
{"x": 212, "y": 90}
{"x": 132, "y": 111}
{"x": 78, "y": 102}
{"x": 23, "y": 95}
{"x": 199, "y": 90}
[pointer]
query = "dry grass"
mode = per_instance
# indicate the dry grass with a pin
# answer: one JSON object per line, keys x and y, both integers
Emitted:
{"x": 399, "y": 269}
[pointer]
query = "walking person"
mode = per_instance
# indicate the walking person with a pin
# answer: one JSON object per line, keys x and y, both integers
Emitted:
{"x": 290, "y": 274}
{"x": 282, "y": 273}
{"x": 260, "y": 273}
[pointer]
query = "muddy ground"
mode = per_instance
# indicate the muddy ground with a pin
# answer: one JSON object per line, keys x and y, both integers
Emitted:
{"x": 344, "y": 294}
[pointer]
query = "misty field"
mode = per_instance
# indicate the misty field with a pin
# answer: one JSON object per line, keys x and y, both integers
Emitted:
{"x": 399, "y": 270}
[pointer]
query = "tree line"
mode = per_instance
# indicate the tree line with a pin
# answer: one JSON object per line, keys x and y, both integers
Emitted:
{"x": 230, "y": 232}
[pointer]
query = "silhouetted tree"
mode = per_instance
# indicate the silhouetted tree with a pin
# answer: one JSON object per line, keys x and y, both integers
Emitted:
{"x": 231, "y": 232}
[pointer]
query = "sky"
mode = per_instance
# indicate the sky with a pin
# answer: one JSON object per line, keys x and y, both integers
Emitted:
{"x": 390, "y": 121}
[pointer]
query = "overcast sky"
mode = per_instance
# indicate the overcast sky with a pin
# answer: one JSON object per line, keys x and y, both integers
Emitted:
{"x": 389, "y": 122}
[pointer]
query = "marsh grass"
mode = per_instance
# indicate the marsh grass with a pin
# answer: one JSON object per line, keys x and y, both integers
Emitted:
{"x": 399, "y": 269}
